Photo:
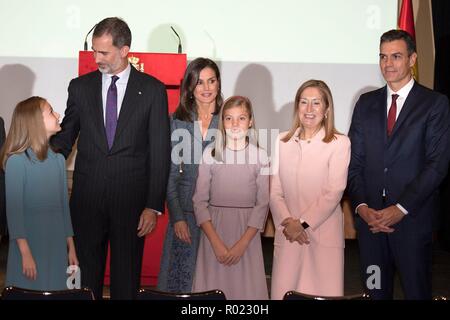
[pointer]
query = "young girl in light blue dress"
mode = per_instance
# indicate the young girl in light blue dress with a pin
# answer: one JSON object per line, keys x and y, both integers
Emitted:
{"x": 41, "y": 243}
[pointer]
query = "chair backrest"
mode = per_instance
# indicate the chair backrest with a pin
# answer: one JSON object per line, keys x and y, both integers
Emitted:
{"x": 295, "y": 295}
{"x": 148, "y": 294}
{"x": 14, "y": 293}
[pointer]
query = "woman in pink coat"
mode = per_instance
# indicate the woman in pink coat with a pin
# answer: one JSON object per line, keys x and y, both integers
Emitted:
{"x": 310, "y": 175}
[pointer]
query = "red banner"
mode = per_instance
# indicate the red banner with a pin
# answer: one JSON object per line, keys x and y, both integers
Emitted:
{"x": 406, "y": 18}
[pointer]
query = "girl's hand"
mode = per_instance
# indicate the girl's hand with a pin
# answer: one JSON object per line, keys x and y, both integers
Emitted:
{"x": 235, "y": 253}
{"x": 73, "y": 260}
{"x": 29, "y": 266}
{"x": 221, "y": 251}
{"x": 71, "y": 252}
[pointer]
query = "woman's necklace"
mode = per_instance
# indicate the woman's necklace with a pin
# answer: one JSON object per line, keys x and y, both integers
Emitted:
{"x": 205, "y": 116}
{"x": 308, "y": 140}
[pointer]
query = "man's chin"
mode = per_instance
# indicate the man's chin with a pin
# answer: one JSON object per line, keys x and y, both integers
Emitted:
{"x": 103, "y": 69}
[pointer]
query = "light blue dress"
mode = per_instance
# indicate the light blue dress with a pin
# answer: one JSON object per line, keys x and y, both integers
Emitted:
{"x": 37, "y": 209}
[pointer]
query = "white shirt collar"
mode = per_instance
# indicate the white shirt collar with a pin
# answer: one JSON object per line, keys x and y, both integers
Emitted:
{"x": 123, "y": 75}
{"x": 403, "y": 92}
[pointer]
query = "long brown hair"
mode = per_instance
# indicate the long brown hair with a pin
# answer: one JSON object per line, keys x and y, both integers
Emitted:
{"x": 327, "y": 122}
{"x": 187, "y": 104}
{"x": 27, "y": 131}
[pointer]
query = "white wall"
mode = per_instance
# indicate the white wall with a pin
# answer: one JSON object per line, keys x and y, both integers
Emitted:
{"x": 265, "y": 48}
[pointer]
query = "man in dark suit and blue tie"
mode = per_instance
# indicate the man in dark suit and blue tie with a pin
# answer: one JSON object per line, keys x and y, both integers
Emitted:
{"x": 400, "y": 153}
{"x": 121, "y": 120}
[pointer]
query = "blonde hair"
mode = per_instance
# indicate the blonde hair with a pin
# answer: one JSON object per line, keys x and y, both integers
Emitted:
{"x": 221, "y": 141}
{"x": 27, "y": 131}
{"x": 328, "y": 120}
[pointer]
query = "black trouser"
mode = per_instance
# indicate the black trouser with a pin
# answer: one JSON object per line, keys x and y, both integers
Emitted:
{"x": 95, "y": 224}
{"x": 404, "y": 251}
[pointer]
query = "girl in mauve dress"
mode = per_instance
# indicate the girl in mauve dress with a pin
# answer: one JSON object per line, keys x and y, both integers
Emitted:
{"x": 230, "y": 205}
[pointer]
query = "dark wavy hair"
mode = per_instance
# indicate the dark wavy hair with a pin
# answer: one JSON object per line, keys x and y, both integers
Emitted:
{"x": 187, "y": 104}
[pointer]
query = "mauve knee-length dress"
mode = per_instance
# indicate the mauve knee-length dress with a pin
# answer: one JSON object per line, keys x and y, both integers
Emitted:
{"x": 234, "y": 195}
{"x": 37, "y": 210}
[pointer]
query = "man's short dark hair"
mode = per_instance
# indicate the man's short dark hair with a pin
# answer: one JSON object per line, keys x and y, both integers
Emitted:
{"x": 117, "y": 28}
{"x": 394, "y": 34}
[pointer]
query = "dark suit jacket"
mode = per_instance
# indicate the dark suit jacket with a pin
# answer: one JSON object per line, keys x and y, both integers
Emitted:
{"x": 410, "y": 164}
{"x": 134, "y": 172}
{"x": 2, "y": 184}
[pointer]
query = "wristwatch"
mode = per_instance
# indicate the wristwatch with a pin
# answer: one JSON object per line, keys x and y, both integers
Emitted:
{"x": 305, "y": 225}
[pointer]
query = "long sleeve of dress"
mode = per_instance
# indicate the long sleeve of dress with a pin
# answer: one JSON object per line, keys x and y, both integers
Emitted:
{"x": 278, "y": 205}
{"x": 68, "y": 230}
{"x": 202, "y": 193}
{"x": 14, "y": 190}
{"x": 173, "y": 198}
{"x": 259, "y": 213}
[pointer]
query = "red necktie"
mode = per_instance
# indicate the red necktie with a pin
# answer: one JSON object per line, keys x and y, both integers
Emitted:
{"x": 392, "y": 114}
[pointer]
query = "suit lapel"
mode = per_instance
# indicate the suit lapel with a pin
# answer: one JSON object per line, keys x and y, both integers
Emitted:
{"x": 97, "y": 109}
{"x": 211, "y": 135}
{"x": 130, "y": 101}
{"x": 381, "y": 114}
{"x": 407, "y": 108}
{"x": 194, "y": 128}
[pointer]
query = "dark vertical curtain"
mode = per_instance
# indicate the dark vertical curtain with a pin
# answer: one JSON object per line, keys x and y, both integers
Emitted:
{"x": 441, "y": 26}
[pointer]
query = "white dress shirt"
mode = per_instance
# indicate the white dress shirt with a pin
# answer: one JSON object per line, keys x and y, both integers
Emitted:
{"x": 402, "y": 95}
{"x": 121, "y": 85}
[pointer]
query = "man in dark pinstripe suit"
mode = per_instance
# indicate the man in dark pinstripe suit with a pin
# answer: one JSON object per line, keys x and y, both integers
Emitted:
{"x": 120, "y": 179}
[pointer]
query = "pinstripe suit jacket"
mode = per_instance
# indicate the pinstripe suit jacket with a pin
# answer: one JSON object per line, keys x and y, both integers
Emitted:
{"x": 134, "y": 171}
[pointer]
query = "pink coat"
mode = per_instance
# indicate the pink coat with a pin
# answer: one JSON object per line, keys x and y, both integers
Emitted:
{"x": 309, "y": 184}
